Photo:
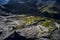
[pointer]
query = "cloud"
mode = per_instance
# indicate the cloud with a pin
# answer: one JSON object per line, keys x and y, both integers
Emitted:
{"x": 3, "y": 2}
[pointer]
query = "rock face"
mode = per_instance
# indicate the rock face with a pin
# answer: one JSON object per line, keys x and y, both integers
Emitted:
{"x": 55, "y": 35}
{"x": 26, "y": 26}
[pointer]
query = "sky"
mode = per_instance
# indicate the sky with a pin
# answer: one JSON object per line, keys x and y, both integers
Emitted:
{"x": 3, "y": 2}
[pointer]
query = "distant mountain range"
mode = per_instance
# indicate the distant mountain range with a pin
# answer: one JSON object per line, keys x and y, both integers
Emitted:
{"x": 32, "y": 7}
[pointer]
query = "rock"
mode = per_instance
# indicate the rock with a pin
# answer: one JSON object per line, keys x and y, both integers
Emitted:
{"x": 43, "y": 39}
{"x": 36, "y": 27}
{"x": 55, "y": 35}
{"x": 34, "y": 32}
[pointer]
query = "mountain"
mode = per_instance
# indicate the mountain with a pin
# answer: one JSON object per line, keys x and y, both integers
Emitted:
{"x": 30, "y": 20}
{"x": 33, "y": 7}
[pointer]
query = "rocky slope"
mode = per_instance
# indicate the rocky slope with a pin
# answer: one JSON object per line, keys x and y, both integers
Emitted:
{"x": 27, "y": 26}
{"x": 30, "y": 20}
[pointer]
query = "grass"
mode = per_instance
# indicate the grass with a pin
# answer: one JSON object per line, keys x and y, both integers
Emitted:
{"x": 30, "y": 19}
{"x": 47, "y": 23}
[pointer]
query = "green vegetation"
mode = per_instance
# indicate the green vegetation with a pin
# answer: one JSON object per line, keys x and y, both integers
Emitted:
{"x": 47, "y": 8}
{"x": 30, "y": 19}
{"x": 47, "y": 23}
{"x": 50, "y": 25}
